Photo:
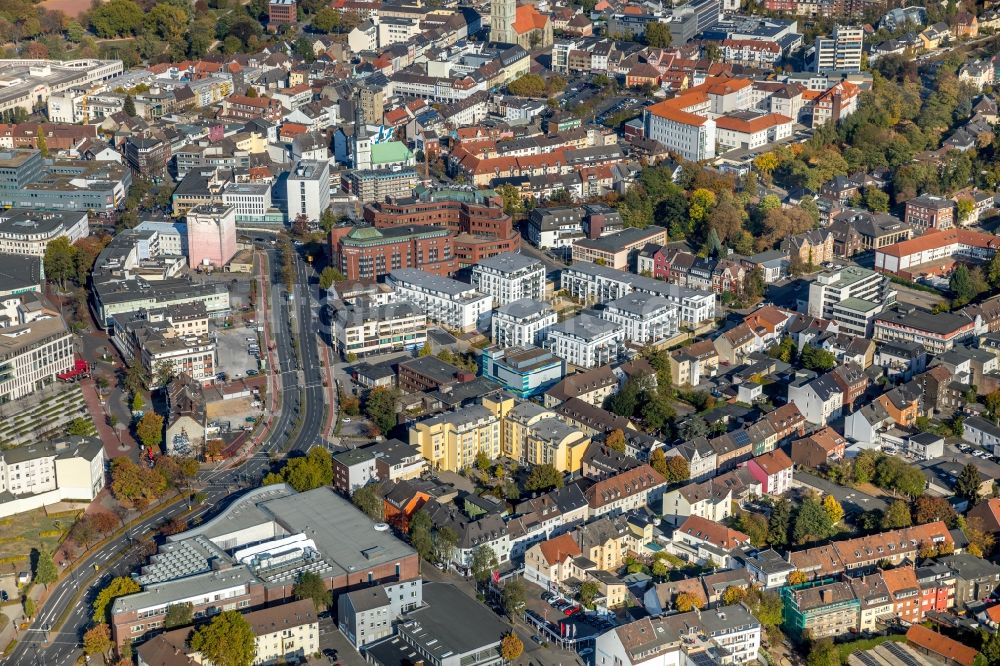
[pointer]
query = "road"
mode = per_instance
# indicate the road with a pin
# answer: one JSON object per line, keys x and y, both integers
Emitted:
{"x": 302, "y": 400}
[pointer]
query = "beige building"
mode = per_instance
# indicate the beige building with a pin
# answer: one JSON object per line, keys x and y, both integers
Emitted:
{"x": 36, "y": 475}
{"x": 533, "y": 435}
{"x": 618, "y": 250}
{"x": 592, "y": 386}
{"x": 693, "y": 364}
{"x": 451, "y": 441}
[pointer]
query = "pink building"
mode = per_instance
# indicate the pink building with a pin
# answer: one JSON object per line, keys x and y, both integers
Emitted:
{"x": 773, "y": 470}
{"x": 211, "y": 235}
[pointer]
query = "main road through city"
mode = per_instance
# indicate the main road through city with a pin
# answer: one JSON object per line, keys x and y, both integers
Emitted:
{"x": 302, "y": 401}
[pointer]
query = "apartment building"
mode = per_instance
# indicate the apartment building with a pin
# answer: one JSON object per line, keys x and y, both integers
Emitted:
{"x": 936, "y": 333}
{"x": 930, "y": 212}
{"x": 841, "y": 52}
{"x": 510, "y": 277}
{"x": 370, "y": 614}
{"x": 586, "y": 341}
{"x": 522, "y": 323}
{"x": 449, "y": 302}
{"x": 451, "y": 441}
{"x": 43, "y": 473}
{"x": 175, "y": 338}
{"x": 35, "y": 345}
{"x": 820, "y": 611}
{"x": 852, "y": 296}
{"x": 28, "y": 232}
{"x": 363, "y": 329}
{"x": 618, "y": 250}
{"x": 534, "y": 435}
{"x": 644, "y": 318}
{"x": 308, "y": 189}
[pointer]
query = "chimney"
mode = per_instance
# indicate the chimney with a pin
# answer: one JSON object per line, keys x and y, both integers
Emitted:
{"x": 824, "y": 596}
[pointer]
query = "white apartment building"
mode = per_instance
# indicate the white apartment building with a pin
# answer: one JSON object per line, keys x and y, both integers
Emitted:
{"x": 586, "y": 341}
{"x": 363, "y": 330}
{"x": 510, "y": 277}
{"x": 555, "y": 228}
{"x": 522, "y": 323}
{"x": 644, "y": 318}
{"x": 28, "y": 232}
{"x": 747, "y": 130}
{"x": 852, "y": 296}
{"x": 689, "y": 134}
{"x": 251, "y": 200}
{"x": 593, "y": 283}
{"x": 369, "y": 614}
{"x": 40, "y": 474}
{"x": 35, "y": 346}
{"x": 308, "y": 189}
{"x": 449, "y": 302}
{"x": 176, "y": 338}
{"x": 841, "y": 52}
{"x": 396, "y": 30}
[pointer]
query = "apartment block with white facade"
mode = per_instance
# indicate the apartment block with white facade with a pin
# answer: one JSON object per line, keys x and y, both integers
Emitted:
{"x": 510, "y": 277}
{"x": 521, "y": 323}
{"x": 28, "y": 232}
{"x": 308, "y": 189}
{"x": 251, "y": 200}
{"x": 36, "y": 475}
{"x": 586, "y": 341}
{"x": 364, "y": 329}
{"x": 449, "y": 302}
{"x": 851, "y": 296}
{"x": 645, "y": 318}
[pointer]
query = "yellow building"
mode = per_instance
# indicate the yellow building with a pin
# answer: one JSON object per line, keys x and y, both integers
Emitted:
{"x": 533, "y": 435}
{"x": 452, "y": 441}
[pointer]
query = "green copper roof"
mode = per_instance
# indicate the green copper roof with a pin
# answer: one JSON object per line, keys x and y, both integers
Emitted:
{"x": 389, "y": 152}
{"x": 364, "y": 233}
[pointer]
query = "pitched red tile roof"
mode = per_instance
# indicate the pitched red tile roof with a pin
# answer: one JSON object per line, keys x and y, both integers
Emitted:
{"x": 557, "y": 549}
{"x": 933, "y": 642}
{"x": 713, "y": 532}
{"x": 528, "y": 18}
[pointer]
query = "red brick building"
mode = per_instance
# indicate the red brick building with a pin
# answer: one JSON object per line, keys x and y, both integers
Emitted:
{"x": 370, "y": 253}
{"x": 930, "y": 212}
{"x": 282, "y": 12}
{"x": 481, "y": 227}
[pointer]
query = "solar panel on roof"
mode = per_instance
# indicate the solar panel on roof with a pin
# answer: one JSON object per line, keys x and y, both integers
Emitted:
{"x": 901, "y": 654}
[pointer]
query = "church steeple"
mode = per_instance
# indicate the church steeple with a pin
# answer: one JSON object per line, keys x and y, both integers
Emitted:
{"x": 503, "y": 13}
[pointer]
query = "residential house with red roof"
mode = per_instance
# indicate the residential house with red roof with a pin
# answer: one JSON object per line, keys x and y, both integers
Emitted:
{"x": 773, "y": 470}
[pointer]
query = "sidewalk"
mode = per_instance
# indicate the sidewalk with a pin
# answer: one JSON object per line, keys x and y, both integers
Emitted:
{"x": 108, "y": 434}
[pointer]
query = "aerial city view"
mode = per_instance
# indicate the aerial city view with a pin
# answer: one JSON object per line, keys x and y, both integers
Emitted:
{"x": 499, "y": 332}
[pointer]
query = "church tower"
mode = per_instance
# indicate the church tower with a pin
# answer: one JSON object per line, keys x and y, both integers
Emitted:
{"x": 502, "y": 16}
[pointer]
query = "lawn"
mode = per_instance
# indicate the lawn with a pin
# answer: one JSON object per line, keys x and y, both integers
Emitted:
{"x": 33, "y": 529}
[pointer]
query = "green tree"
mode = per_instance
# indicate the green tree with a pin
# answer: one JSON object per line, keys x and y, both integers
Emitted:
{"x": 116, "y": 18}
{"x": 380, "y": 407}
{"x": 41, "y": 143}
{"x": 779, "y": 523}
{"x": 228, "y": 640}
{"x": 179, "y": 615}
{"x": 784, "y": 350}
{"x": 513, "y": 205}
{"x": 962, "y": 286}
{"x": 150, "y": 430}
{"x": 816, "y": 359}
{"x": 426, "y": 350}
{"x": 543, "y": 477}
{"x": 310, "y": 586}
{"x": 369, "y": 500}
{"x": 588, "y": 592}
{"x": 79, "y": 427}
{"x": 967, "y": 485}
{"x": 421, "y": 535}
{"x": 484, "y": 562}
{"x": 964, "y": 207}
{"x": 45, "y": 569}
{"x": 329, "y": 277}
{"x": 326, "y": 20}
{"x": 767, "y": 607}
{"x": 118, "y": 587}
{"x": 29, "y": 608}
{"x": 733, "y": 594}
{"x": 993, "y": 273}
{"x": 658, "y": 35}
{"x": 754, "y": 525}
{"x": 896, "y": 516}
{"x": 864, "y": 466}
{"x": 512, "y": 597}
{"x": 313, "y": 470}
{"x": 812, "y": 523}
{"x": 685, "y": 602}
{"x": 60, "y": 261}
{"x": 876, "y": 200}
{"x": 823, "y": 653}
{"x": 527, "y": 85}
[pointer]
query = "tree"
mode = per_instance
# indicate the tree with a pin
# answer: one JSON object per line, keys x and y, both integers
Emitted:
{"x": 310, "y": 586}
{"x": 179, "y": 615}
{"x": 511, "y": 198}
{"x": 784, "y": 350}
{"x": 962, "y": 286}
{"x": 512, "y": 597}
{"x": 137, "y": 403}
{"x": 833, "y": 509}
{"x": 60, "y": 261}
{"x": 816, "y": 359}
{"x": 780, "y": 522}
{"x": 678, "y": 469}
{"x": 421, "y": 537}
{"x": 823, "y": 653}
{"x": 29, "y": 608}
{"x": 83, "y": 531}
{"x": 767, "y": 607}
{"x": 79, "y": 427}
{"x": 864, "y": 466}
{"x": 812, "y": 522}
{"x": 616, "y": 440}
{"x": 876, "y": 200}
{"x": 45, "y": 569}
{"x": 993, "y": 272}
{"x": 896, "y": 516}
{"x": 484, "y": 563}
{"x": 658, "y": 35}
{"x": 658, "y": 461}
{"x": 588, "y": 592}
{"x": 544, "y": 477}
{"x": 527, "y": 85}
{"x": 118, "y": 587}
{"x": 927, "y": 509}
{"x": 228, "y": 640}
{"x": 964, "y": 207}
{"x": 97, "y": 640}
{"x": 369, "y": 499}
{"x": 329, "y": 276}
{"x": 511, "y": 647}
{"x": 733, "y": 595}
{"x": 685, "y": 602}
{"x": 309, "y": 472}
{"x": 967, "y": 485}
{"x": 754, "y": 525}
{"x": 380, "y": 407}
{"x": 117, "y": 18}
{"x": 980, "y": 540}
{"x": 766, "y": 163}
{"x": 426, "y": 350}
{"x": 150, "y": 430}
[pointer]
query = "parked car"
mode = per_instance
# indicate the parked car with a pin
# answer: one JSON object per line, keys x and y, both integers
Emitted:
{"x": 571, "y": 610}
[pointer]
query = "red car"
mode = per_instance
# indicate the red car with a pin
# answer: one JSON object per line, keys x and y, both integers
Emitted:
{"x": 571, "y": 610}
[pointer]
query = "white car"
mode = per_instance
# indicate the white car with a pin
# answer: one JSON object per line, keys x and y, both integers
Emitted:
{"x": 345, "y": 420}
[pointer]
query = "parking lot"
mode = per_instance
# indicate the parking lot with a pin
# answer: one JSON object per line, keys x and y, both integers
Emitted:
{"x": 234, "y": 358}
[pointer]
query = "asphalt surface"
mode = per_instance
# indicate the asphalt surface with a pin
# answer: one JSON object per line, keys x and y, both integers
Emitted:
{"x": 302, "y": 400}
